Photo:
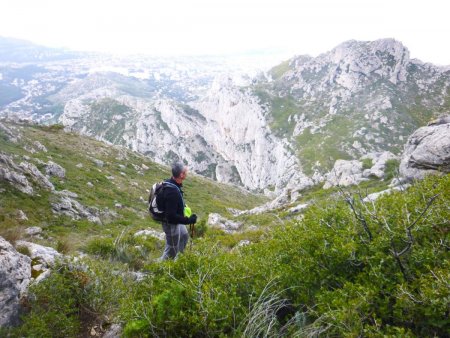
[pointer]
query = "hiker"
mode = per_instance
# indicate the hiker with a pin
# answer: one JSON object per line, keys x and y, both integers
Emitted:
{"x": 172, "y": 202}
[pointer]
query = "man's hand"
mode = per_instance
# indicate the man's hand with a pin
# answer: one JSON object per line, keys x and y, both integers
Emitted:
{"x": 192, "y": 219}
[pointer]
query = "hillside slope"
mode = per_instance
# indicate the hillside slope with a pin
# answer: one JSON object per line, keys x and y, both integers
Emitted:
{"x": 76, "y": 188}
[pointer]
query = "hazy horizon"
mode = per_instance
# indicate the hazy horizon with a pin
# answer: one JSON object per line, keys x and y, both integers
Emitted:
{"x": 281, "y": 28}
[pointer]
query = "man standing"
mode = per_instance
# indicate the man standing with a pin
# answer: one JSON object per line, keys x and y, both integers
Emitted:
{"x": 172, "y": 203}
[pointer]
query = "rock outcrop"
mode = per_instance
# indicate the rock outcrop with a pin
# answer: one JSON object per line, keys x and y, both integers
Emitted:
{"x": 45, "y": 255}
{"x": 11, "y": 173}
{"x": 344, "y": 173}
{"x": 15, "y": 275}
{"x": 427, "y": 151}
{"x": 54, "y": 169}
{"x": 219, "y": 222}
{"x": 378, "y": 167}
{"x": 68, "y": 206}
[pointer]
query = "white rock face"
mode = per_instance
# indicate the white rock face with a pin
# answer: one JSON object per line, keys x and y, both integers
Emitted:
{"x": 427, "y": 151}
{"x": 15, "y": 275}
{"x": 344, "y": 173}
{"x": 239, "y": 132}
{"x": 223, "y": 135}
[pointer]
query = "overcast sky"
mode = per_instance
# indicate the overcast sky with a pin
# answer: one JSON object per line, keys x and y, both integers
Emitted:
{"x": 191, "y": 27}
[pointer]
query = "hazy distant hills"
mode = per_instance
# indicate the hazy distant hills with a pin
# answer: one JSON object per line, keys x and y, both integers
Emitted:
{"x": 283, "y": 128}
{"x": 14, "y": 50}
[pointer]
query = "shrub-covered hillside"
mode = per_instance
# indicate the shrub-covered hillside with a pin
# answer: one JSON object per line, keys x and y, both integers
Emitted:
{"x": 343, "y": 268}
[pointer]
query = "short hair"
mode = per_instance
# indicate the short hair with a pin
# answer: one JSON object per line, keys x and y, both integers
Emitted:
{"x": 177, "y": 169}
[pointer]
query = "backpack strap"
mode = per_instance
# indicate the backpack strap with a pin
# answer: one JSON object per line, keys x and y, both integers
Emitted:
{"x": 179, "y": 190}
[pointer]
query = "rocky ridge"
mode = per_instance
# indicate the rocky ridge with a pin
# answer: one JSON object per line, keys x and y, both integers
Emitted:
{"x": 268, "y": 133}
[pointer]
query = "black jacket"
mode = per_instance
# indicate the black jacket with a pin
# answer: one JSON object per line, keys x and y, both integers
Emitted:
{"x": 171, "y": 202}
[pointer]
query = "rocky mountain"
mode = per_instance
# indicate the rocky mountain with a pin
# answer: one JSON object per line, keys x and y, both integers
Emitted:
{"x": 360, "y": 97}
{"x": 283, "y": 129}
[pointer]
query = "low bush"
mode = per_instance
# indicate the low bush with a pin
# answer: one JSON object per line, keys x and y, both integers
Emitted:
{"x": 347, "y": 268}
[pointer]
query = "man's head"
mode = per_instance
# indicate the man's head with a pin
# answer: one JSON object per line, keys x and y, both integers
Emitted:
{"x": 179, "y": 171}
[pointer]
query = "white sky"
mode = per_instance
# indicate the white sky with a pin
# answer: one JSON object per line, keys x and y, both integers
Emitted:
{"x": 181, "y": 27}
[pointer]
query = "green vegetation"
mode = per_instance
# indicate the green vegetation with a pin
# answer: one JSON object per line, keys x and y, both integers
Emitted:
{"x": 278, "y": 71}
{"x": 367, "y": 163}
{"x": 282, "y": 110}
{"x": 391, "y": 169}
{"x": 384, "y": 271}
{"x": 344, "y": 268}
{"x": 322, "y": 148}
{"x": 120, "y": 181}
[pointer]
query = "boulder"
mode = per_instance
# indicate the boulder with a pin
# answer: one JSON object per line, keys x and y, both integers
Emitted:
{"x": 33, "y": 231}
{"x": 15, "y": 275}
{"x": 98, "y": 163}
{"x": 379, "y": 163}
{"x": 11, "y": 133}
{"x": 220, "y": 222}
{"x": 42, "y": 254}
{"x": 344, "y": 173}
{"x": 54, "y": 169}
{"x": 427, "y": 151}
{"x": 37, "y": 176}
{"x": 40, "y": 146}
{"x": 11, "y": 173}
{"x": 374, "y": 196}
{"x": 69, "y": 207}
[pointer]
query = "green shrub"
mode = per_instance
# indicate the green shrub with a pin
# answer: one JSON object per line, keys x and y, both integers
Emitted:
{"x": 367, "y": 163}
{"x": 391, "y": 169}
{"x": 346, "y": 269}
{"x": 53, "y": 307}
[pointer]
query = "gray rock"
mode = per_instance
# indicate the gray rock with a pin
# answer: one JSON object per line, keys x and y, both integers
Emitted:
{"x": 152, "y": 233}
{"x": 74, "y": 209}
{"x": 13, "y": 174}
{"x": 114, "y": 331}
{"x": 21, "y": 216}
{"x": 244, "y": 242}
{"x": 33, "y": 231}
{"x": 220, "y": 222}
{"x": 427, "y": 152}
{"x": 11, "y": 134}
{"x": 374, "y": 196}
{"x": 298, "y": 208}
{"x": 54, "y": 169}
{"x": 40, "y": 146}
{"x": 45, "y": 255}
{"x": 66, "y": 193}
{"x": 37, "y": 176}
{"x": 98, "y": 163}
{"x": 379, "y": 163}
{"x": 15, "y": 275}
{"x": 344, "y": 173}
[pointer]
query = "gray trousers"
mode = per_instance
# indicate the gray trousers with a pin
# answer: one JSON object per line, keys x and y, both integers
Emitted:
{"x": 177, "y": 237}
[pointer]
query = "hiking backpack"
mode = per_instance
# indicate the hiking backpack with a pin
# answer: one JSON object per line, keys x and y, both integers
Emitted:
{"x": 157, "y": 215}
